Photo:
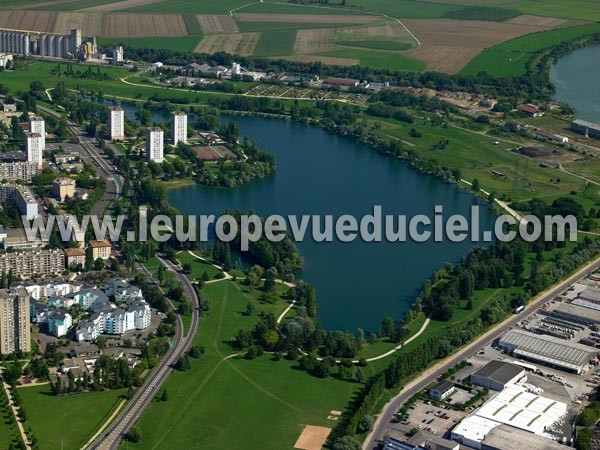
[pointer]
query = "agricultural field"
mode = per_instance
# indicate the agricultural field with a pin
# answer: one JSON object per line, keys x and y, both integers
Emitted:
{"x": 380, "y": 60}
{"x": 179, "y": 44}
{"x": 118, "y": 5}
{"x": 72, "y": 5}
{"x": 511, "y": 57}
{"x": 314, "y": 41}
{"x": 143, "y": 25}
{"x": 90, "y": 24}
{"x": 28, "y": 20}
{"x": 448, "y": 45}
{"x": 568, "y": 9}
{"x": 276, "y": 43}
{"x": 236, "y": 44}
{"x": 488, "y": 13}
{"x": 217, "y": 24}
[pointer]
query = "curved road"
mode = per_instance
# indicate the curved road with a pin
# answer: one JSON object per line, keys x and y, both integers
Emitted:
{"x": 384, "y": 421}
{"x": 111, "y": 438}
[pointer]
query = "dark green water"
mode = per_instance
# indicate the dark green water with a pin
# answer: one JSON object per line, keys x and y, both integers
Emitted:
{"x": 319, "y": 173}
{"x": 577, "y": 81}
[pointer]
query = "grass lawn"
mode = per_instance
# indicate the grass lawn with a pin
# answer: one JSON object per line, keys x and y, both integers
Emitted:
{"x": 198, "y": 266}
{"x": 66, "y": 421}
{"x": 219, "y": 403}
{"x": 179, "y": 43}
{"x": 276, "y": 43}
{"x": 379, "y": 60}
{"x": 499, "y": 63}
{"x": 9, "y": 433}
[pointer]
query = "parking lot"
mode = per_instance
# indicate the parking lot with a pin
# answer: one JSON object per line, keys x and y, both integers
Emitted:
{"x": 436, "y": 420}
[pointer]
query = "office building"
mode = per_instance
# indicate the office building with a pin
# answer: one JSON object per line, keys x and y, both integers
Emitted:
{"x": 14, "y": 321}
{"x": 179, "y": 127}
{"x": 155, "y": 145}
{"x": 116, "y": 124}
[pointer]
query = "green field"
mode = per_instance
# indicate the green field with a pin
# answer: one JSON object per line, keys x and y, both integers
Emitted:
{"x": 9, "y": 433}
{"x": 489, "y": 13}
{"x": 283, "y": 8}
{"x": 225, "y": 402}
{"x": 198, "y": 266}
{"x": 379, "y": 60}
{"x": 66, "y": 421}
{"x": 405, "y": 9}
{"x": 179, "y": 43}
{"x": 377, "y": 44}
{"x": 276, "y": 43}
{"x": 476, "y": 156}
{"x": 511, "y": 57}
{"x": 568, "y": 9}
{"x": 192, "y": 25}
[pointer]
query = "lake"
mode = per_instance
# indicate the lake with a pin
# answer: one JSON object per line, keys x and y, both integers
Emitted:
{"x": 320, "y": 173}
{"x": 577, "y": 82}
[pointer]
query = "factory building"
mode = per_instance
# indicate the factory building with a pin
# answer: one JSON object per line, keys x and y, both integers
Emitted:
{"x": 52, "y": 45}
{"x": 514, "y": 408}
{"x": 497, "y": 375}
{"x": 548, "y": 350}
{"x": 578, "y": 311}
{"x": 588, "y": 129}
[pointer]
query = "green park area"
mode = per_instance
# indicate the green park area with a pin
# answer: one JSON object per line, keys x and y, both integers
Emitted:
{"x": 67, "y": 421}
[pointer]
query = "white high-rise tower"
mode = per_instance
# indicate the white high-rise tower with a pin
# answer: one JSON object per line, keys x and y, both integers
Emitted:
{"x": 155, "y": 145}
{"x": 179, "y": 127}
{"x": 116, "y": 124}
{"x": 37, "y": 125}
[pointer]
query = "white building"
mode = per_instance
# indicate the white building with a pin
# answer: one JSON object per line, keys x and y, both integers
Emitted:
{"x": 116, "y": 124}
{"x": 117, "y": 321}
{"x": 37, "y": 125}
{"x": 515, "y": 407}
{"x": 5, "y": 59}
{"x": 51, "y": 289}
{"x": 26, "y": 202}
{"x": 179, "y": 122}
{"x": 59, "y": 323}
{"x": 155, "y": 145}
{"x": 118, "y": 54}
{"x": 34, "y": 148}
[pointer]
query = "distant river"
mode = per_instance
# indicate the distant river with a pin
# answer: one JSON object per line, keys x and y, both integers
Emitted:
{"x": 577, "y": 81}
{"x": 319, "y": 173}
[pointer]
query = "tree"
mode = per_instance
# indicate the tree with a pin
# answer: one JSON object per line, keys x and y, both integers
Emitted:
{"x": 133, "y": 435}
{"x": 387, "y": 327}
{"x": 475, "y": 185}
{"x": 360, "y": 376}
{"x": 346, "y": 443}
{"x": 365, "y": 424}
{"x": 165, "y": 396}
{"x": 187, "y": 268}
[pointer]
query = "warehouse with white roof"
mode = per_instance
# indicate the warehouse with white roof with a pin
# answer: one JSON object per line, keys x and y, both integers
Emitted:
{"x": 513, "y": 406}
{"x": 548, "y": 350}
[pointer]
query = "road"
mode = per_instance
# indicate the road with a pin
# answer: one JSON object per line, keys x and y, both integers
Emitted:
{"x": 93, "y": 155}
{"x": 384, "y": 421}
{"x": 111, "y": 438}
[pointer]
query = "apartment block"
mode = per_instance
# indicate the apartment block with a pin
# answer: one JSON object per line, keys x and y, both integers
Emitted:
{"x": 155, "y": 145}
{"x": 14, "y": 321}
{"x": 116, "y": 123}
{"x": 179, "y": 121}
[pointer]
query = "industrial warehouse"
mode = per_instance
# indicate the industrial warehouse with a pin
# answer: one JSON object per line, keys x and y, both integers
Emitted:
{"x": 513, "y": 406}
{"x": 548, "y": 350}
{"x": 50, "y": 45}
